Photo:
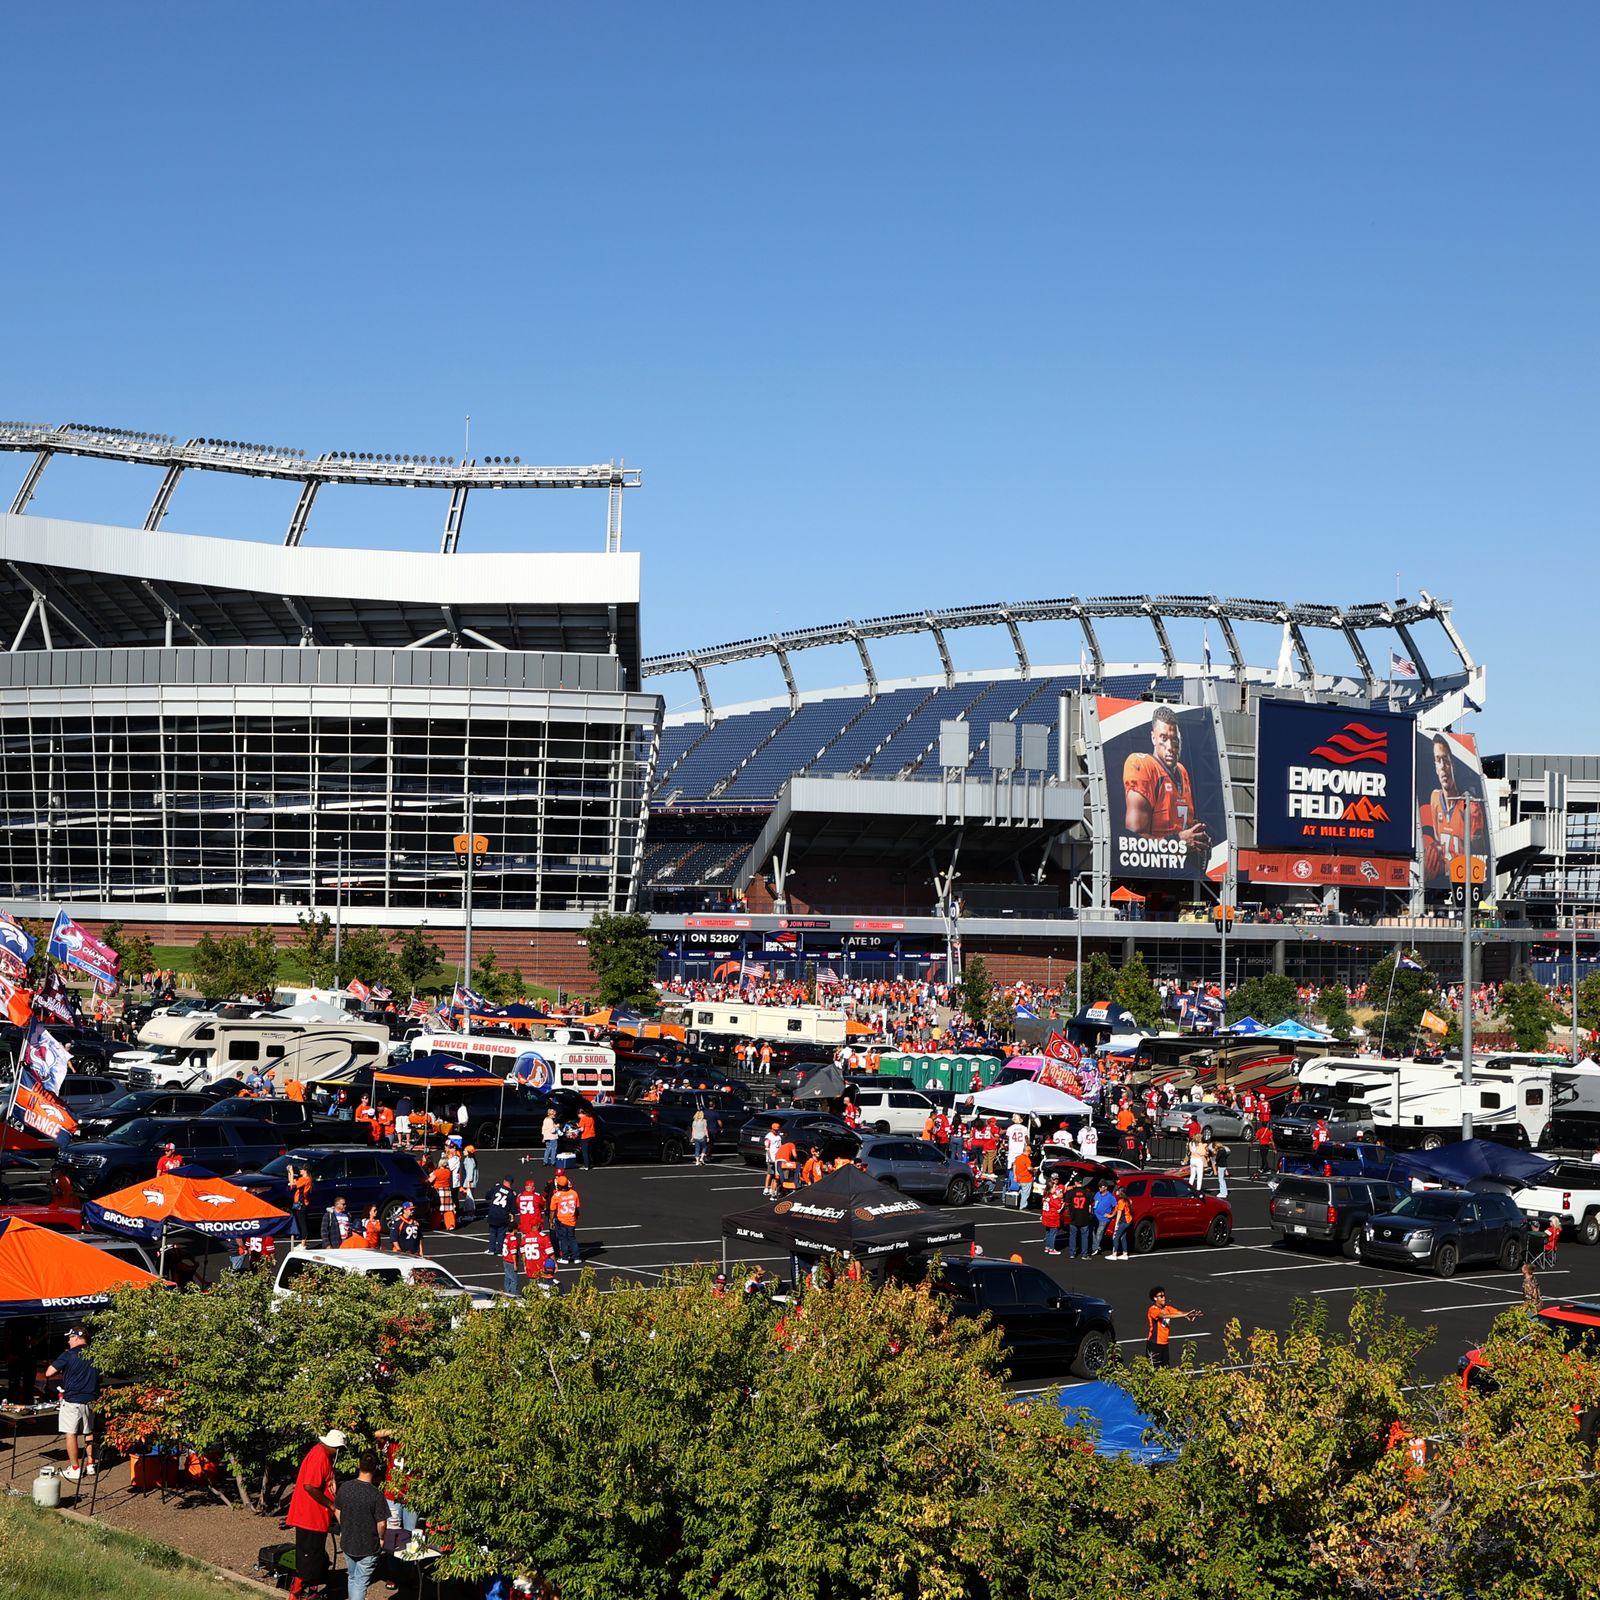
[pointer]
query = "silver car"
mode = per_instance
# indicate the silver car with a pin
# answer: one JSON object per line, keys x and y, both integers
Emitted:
{"x": 916, "y": 1167}
{"x": 1225, "y": 1122}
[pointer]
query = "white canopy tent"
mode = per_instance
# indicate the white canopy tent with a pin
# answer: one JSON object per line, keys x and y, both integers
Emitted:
{"x": 1030, "y": 1100}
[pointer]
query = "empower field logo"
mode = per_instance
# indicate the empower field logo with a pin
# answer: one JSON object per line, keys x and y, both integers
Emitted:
{"x": 1354, "y": 742}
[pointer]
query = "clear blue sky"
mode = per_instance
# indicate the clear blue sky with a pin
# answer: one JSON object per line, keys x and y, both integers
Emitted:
{"x": 896, "y": 305}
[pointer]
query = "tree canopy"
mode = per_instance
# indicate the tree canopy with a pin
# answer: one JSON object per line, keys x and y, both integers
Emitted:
{"x": 622, "y": 956}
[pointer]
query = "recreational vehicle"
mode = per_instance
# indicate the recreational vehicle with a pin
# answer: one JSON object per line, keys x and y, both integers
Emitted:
{"x": 223, "y": 1048}
{"x": 565, "y": 1060}
{"x": 714, "y": 1022}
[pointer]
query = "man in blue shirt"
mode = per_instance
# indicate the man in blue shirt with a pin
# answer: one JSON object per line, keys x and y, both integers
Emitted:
{"x": 79, "y": 1386}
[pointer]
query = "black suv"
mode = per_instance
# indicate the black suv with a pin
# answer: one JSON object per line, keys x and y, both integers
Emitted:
{"x": 1040, "y": 1323}
{"x": 831, "y": 1134}
{"x": 131, "y": 1153}
{"x": 1307, "y": 1210}
{"x": 1443, "y": 1228}
{"x": 726, "y": 1109}
{"x": 363, "y": 1174}
{"x": 293, "y": 1119}
{"x": 142, "y": 1103}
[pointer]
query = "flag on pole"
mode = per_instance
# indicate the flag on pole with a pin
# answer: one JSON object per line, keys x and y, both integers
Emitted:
{"x": 1402, "y": 666}
{"x": 53, "y": 999}
{"x": 16, "y": 1002}
{"x": 1285, "y": 672}
{"x": 79, "y": 948}
{"x": 1471, "y": 704}
{"x": 1408, "y": 964}
{"x": 14, "y": 938}
{"x": 1435, "y": 1023}
{"x": 356, "y": 987}
{"x": 46, "y": 1057}
{"x": 467, "y": 999}
{"x": 1205, "y": 638}
{"x": 33, "y": 1107}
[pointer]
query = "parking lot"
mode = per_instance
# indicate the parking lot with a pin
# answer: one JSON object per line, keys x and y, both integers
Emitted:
{"x": 640, "y": 1221}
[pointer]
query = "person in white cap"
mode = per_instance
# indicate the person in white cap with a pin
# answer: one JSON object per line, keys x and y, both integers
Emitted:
{"x": 78, "y": 1383}
{"x": 313, "y": 1512}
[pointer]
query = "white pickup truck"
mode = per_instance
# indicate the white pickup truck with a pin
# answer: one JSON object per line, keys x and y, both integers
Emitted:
{"x": 1571, "y": 1191}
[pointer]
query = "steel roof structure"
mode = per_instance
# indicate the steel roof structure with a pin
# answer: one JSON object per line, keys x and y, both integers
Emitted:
{"x": 46, "y": 440}
{"x": 1350, "y": 621}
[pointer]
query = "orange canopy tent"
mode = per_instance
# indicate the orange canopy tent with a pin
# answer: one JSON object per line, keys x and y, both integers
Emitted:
{"x": 211, "y": 1206}
{"x": 1126, "y": 896}
{"x": 43, "y": 1271}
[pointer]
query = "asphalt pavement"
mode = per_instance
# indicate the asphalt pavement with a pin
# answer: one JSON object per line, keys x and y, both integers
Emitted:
{"x": 639, "y": 1221}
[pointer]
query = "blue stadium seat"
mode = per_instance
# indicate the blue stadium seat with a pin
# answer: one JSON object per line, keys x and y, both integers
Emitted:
{"x": 911, "y": 741}
{"x": 880, "y": 718}
{"x": 722, "y": 749}
{"x": 796, "y": 742}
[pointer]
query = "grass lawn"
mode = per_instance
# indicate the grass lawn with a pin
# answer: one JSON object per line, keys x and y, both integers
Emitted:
{"x": 47, "y": 1557}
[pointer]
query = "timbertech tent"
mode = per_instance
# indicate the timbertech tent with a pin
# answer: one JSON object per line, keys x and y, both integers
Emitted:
{"x": 1029, "y": 1099}
{"x": 43, "y": 1271}
{"x": 846, "y": 1214}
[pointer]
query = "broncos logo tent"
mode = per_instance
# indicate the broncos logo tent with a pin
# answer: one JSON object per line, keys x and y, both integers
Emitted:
{"x": 211, "y": 1206}
{"x": 41, "y": 1270}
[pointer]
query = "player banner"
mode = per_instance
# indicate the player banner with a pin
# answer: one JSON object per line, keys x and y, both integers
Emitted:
{"x": 1450, "y": 808}
{"x": 1164, "y": 789}
{"x": 1334, "y": 780}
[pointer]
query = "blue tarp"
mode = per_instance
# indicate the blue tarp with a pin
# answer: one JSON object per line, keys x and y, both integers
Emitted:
{"x": 1467, "y": 1160}
{"x": 1121, "y": 1424}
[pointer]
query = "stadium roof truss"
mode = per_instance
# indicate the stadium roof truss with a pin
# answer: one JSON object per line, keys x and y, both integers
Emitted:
{"x": 459, "y": 476}
{"x": 1296, "y": 619}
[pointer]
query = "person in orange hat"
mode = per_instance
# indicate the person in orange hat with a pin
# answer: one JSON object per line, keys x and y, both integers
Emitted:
{"x": 564, "y": 1221}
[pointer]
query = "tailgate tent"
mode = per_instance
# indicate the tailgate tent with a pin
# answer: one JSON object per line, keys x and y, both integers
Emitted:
{"x": 826, "y": 1083}
{"x": 42, "y": 1271}
{"x": 1470, "y": 1160}
{"x": 1029, "y": 1100}
{"x": 849, "y": 1214}
{"x": 212, "y": 1206}
{"x": 451, "y": 1077}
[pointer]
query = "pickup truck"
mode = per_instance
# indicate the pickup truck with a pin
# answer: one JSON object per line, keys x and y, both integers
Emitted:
{"x": 1570, "y": 1191}
{"x": 1296, "y": 1127}
{"x": 1360, "y": 1160}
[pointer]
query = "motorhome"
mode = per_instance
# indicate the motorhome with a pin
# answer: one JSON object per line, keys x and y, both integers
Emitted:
{"x": 567, "y": 1059}
{"x": 220, "y": 1047}
{"x": 715, "y": 1021}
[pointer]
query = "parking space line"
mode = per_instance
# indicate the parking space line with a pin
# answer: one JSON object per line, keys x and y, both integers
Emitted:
{"x": 1399, "y": 1281}
{"x": 1471, "y": 1305}
{"x": 1175, "y": 1338}
{"x": 1304, "y": 1266}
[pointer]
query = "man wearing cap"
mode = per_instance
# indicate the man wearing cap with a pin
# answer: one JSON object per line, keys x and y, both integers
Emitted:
{"x": 313, "y": 1512}
{"x": 564, "y": 1221}
{"x": 79, "y": 1385}
{"x": 407, "y": 1235}
{"x": 170, "y": 1161}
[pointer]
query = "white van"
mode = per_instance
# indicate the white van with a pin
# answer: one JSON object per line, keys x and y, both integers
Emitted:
{"x": 565, "y": 1060}
{"x": 893, "y": 1110}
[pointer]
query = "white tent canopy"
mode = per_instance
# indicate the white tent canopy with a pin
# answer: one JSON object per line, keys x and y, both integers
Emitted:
{"x": 313, "y": 1011}
{"x": 1030, "y": 1100}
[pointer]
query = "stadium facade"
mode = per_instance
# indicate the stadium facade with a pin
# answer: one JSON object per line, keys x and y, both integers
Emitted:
{"x": 207, "y": 731}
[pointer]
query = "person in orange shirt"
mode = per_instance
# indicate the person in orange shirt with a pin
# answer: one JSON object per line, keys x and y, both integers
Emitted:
{"x": 564, "y": 1207}
{"x": 1125, "y": 1118}
{"x": 1158, "y": 1333}
{"x": 1158, "y": 798}
{"x": 788, "y": 1164}
{"x": 586, "y": 1133}
{"x": 1121, "y": 1221}
{"x": 1022, "y": 1174}
{"x": 300, "y": 1201}
{"x": 811, "y": 1172}
{"x": 295, "y": 1090}
{"x": 383, "y": 1126}
{"x": 440, "y": 1179}
{"x": 371, "y": 1230}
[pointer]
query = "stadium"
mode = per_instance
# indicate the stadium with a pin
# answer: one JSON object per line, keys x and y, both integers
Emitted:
{"x": 207, "y": 732}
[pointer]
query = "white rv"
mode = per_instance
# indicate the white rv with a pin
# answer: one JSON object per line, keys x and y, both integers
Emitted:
{"x": 223, "y": 1048}
{"x": 709, "y": 1019}
{"x": 566, "y": 1059}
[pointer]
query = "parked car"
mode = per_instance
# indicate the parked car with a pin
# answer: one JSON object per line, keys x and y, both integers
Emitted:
{"x": 1443, "y": 1228}
{"x": 892, "y": 1110}
{"x": 294, "y": 1119}
{"x": 831, "y": 1134}
{"x": 916, "y": 1167}
{"x": 142, "y": 1103}
{"x": 1225, "y": 1122}
{"x": 1576, "y": 1323}
{"x": 1076, "y": 1169}
{"x": 1167, "y": 1207}
{"x": 86, "y": 1094}
{"x": 1361, "y": 1160}
{"x": 1343, "y": 1121}
{"x": 364, "y": 1174}
{"x": 1307, "y": 1210}
{"x": 730, "y": 1107}
{"x": 1040, "y": 1323}
{"x": 1570, "y": 1191}
{"x": 218, "y": 1145}
{"x": 383, "y": 1268}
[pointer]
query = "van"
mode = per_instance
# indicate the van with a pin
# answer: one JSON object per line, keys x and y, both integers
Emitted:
{"x": 893, "y": 1110}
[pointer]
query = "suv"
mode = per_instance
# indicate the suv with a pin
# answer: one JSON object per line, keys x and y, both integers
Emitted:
{"x": 1344, "y": 1120}
{"x": 142, "y": 1103}
{"x": 364, "y": 1174}
{"x": 220, "y": 1146}
{"x": 294, "y": 1119}
{"x": 1329, "y": 1210}
{"x": 832, "y": 1135}
{"x": 889, "y": 1110}
{"x": 729, "y": 1108}
{"x": 916, "y": 1167}
{"x": 1166, "y": 1206}
{"x": 1041, "y": 1325}
{"x": 1441, "y": 1228}
{"x": 83, "y": 1094}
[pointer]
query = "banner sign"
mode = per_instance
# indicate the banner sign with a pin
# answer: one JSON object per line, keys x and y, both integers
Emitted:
{"x": 1332, "y": 779}
{"x": 1164, "y": 788}
{"x": 1450, "y": 809}
{"x": 1356, "y": 872}
{"x": 79, "y": 948}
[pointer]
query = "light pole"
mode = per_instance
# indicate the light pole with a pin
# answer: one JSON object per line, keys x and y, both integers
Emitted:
{"x": 1466, "y": 970}
{"x": 466, "y": 917}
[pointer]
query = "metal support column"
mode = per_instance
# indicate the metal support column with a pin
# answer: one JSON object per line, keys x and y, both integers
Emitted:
{"x": 156, "y": 515}
{"x": 30, "y": 482}
{"x": 453, "y": 518}
{"x": 302, "y": 511}
{"x": 614, "y": 511}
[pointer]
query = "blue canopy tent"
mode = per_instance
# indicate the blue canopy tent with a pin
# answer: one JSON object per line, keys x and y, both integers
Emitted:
{"x": 1246, "y": 1027}
{"x": 1469, "y": 1162}
{"x": 1119, "y": 1423}
{"x": 1290, "y": 1029}
{"x": 442, "y": 1072}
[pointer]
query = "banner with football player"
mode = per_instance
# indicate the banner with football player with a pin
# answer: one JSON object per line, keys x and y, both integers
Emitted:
{"x": 1451, "y": 813}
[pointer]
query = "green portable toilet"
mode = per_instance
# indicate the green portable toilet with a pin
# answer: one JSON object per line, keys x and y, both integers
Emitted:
{"x": 946, "y": 1070}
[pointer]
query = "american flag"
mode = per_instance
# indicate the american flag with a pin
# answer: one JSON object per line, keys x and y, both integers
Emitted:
{"x": 827, "y": 975}
{"x": 1401, "y": 666}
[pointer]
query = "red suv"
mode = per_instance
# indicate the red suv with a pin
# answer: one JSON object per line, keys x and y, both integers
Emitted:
{"x": 1166, "y": 1206}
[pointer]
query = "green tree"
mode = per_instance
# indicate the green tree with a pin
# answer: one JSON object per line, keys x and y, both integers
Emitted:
{"x": 365, "y": 954}
{"x": 1099, "y": 978}
{"x": 1270, "y": 998}
{"x": 39, "y": 963}
{"x": 623, "y": 954}
{"x": 249, "y": 1380}
{"x": 417, "y": 958}
{"x": 1589, "y": 1003}
{"x": 1527, "y": 1008}
{"x": 1333, "y": 1006}
{"x": 311, "y": 945}
{"x": 1400, "y": 1010}
{"x": 491, "y": 982}
{"x": 136, "y": 955}
{"x": 974, "y": 990}
{"x": 1136, "y": 991}
{"x": 238, "y": 963}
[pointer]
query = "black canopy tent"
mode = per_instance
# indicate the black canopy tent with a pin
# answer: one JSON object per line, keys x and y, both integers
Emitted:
{"x": 826, "y": 1083}
{"x": 847, "y": 1214}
